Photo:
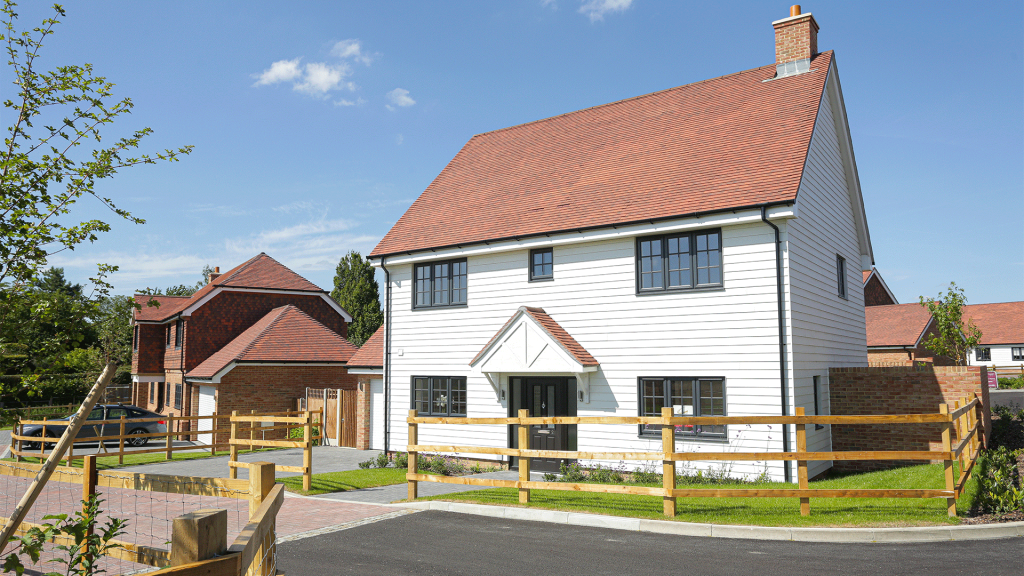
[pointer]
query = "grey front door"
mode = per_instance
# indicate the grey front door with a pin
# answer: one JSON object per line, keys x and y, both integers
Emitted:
{"x": 547, "y": 397}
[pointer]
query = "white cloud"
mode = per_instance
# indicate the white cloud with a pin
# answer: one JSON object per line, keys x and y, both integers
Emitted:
{"x": 353, "y": 49}
{"x": 343, "y": 102}
{"x": 549, "y": 4}
{"x": 321, "y": 78}
{"x": 596, "y": 9}
{"x": 399, "y": 139}
{"x": 280, "y": 71}
{"x": 399, "y": 97}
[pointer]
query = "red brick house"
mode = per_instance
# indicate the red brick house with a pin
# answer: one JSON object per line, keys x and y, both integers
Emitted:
{"x": 255, "y": 337}
{"x": 876, "y": 292}
{"x": 895, "y": 333}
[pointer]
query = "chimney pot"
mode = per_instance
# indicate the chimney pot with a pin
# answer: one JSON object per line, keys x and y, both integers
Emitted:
{"x": 794, "y": 10}
{"x": 214, "y": 275}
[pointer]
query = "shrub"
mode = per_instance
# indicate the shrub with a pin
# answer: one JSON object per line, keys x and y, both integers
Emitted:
{"x": 365, "y": 464}
{"x": 381, "y": 461}
{"x": 401, "y": 460}
{"x": 1015, "y": 383}
{"x": 1000, "y": 488}
{"x": 443, "y": 465}
{"x": 1007, "y": 428}
{"x": 648, "y": 474}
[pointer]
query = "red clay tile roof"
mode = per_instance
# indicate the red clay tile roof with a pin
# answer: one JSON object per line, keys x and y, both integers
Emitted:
{"x": 722, "y": 143}
{"x": 260, "y": 271}
{"x": 999, "y": 323}
{"x": 866, "y": 274}
{"x": 896, "y": 324}
{"x": 285, "y": 334}
{"x": 371, "y": 353}
{"x": 554, "y": 329}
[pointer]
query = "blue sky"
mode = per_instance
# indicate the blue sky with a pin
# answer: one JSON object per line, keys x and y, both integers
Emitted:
{"x": 316, "y": 124}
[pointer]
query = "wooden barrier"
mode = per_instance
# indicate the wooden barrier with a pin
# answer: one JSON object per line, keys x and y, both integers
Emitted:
{"x": 306, "y": 419}
{"x": 962, "y": 429}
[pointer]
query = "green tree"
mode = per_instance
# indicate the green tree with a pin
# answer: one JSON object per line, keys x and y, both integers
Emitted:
{"x": 356, "y": 290}
{"x": 953, "y": 339}
{"x": 48, "y": 163}
{"x": 180, "y": 289}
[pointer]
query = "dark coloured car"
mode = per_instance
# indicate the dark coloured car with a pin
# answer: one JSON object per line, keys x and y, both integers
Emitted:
{"x": 100, "y": 413}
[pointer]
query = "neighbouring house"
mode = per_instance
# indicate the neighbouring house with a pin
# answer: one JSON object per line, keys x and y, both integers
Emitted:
{"x": 876, "y": 292}
{"x": 895, "y": 334}
{"x": 1002, "y": 334}
{"x": 696, "y": 247}
{"x": 254, "y": 338}
{"x": 368, "y": 366}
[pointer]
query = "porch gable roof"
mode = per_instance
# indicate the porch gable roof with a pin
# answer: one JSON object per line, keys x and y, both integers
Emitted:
{"x": 528, "y": 348}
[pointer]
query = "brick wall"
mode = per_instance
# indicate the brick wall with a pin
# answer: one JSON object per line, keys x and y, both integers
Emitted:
{"x": 875, "y": 294}
{"x": 149, "y": 358}
{"x": 898, "y": 390}
{"x": 363, "y": 413}
{"x": 796, "y": 39}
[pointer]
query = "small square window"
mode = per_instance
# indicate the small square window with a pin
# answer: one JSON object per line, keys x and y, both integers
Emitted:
{"x": 1018, "y": 353}
{"x": 841, "y": 275}
{"x": 983, "y": 354}
{"x": 542, "y": 266}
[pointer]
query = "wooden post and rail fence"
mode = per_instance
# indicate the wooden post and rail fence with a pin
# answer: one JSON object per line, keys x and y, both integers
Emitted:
{"x": 195, "y": 536}
{"x": 277, "y": 420}
{"x": 961, "y": 437}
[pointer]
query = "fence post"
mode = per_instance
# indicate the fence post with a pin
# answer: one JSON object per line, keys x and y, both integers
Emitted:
{"x": 42, "y": 440}
{"x": 120, "y": 443}
{"x": 252, "y": 434}
{"x": 947, "y": 464}
{"x": 89, "y": 478}
{"x": 801, "y": 465}
{"x": 199, "y": 535}
{"x": 413, "y": 456}
{"x": 213, "y": 434}
{"x": 668, "y": 467}
{"x": 524, "y": 461}
{"x": 261, "y": 481}
{"x": 965, "y": 427}
{"x": 307, "y": 452}
{"x": 21, "y": 431}
{"x": 232, "y": 447}
{"x": 170, "y": 427}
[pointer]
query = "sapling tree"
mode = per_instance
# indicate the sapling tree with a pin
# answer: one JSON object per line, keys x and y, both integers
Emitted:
{"x": 952, "y": 339}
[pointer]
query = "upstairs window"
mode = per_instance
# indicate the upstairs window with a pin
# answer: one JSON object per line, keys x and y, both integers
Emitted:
{"x": 542, "y": 264}
{"x": 841, "y": 275}
{"x": 983, "y": 354}
{"x": 439, "y": 395}
{"x": 439, "y": 284}
{"x": 1018, "y": 353}
{"x": 687, "y": 397}
{"x": 177, "y": 396}
{"x": 179, "y": 333}
{"x": 135, "y": 338}
{"x": 167, "y": 336}
{"x": 679, "y": 261}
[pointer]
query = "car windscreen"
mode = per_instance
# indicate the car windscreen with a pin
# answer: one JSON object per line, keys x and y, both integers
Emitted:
{"x": 96, "y": 414}
{"x": 115, "y": 413}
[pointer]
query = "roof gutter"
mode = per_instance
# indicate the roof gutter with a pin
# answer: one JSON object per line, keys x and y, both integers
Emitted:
{"x": 517, "y": 237}
{"x": 783, "y": 380}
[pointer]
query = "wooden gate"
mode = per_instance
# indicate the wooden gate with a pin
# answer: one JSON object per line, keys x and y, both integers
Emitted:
{"x": 339, "y": 410}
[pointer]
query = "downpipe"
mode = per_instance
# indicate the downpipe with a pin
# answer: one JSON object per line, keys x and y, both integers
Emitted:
{"x": 387, "y": 355}
{"x": 783, "y": 383}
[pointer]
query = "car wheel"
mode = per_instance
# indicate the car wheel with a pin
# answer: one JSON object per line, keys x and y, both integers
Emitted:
{"x": 134, "y": 440}
{"x": 32, "y": 445}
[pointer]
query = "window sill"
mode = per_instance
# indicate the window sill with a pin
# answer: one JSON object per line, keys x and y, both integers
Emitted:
{"x": 719, "y": 288}
{"x": 689, "y": 439}
{"x": 548, "y": 279}
{"x": 447, "y": 307}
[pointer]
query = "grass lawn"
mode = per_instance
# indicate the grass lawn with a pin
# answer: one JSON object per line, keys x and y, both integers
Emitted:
{"x": 761, "y": 511}
{"x": 108, "y": 462}
{"x": 345, "y": 481}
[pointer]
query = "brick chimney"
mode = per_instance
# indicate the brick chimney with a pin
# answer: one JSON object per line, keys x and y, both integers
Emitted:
{"x": 796, "y": 42}
{"x": 214, "y": 275}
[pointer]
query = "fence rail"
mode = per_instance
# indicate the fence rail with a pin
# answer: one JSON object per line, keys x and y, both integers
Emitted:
{"x": 962, "y": 432}
{"x": 307, "y": 419}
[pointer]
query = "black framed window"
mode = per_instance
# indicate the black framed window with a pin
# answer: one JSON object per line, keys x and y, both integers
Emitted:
{"x": 841, "y": 275}
{"x": 152, "y": 391}
{"x": 179, "y": 333}
{"x": 1017, "y": 352}
{"x": 167, "y": 334}
{"x": 679, "y": 261}
{"x": 817, "y": 401}
{"x": 542, "y": 264}
{"x": 689, "y": 397}
{"x": 177, "y": 396}
{"x": 439, "y": 284}
{"x": 439, "y": 395}
{"x": 167, "y": 395}
{"x": 983, "y": 354}
{"x": 135, "y": 338}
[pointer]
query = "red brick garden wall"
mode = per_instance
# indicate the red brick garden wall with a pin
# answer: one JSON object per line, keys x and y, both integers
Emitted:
{"x": 898, "y": 390}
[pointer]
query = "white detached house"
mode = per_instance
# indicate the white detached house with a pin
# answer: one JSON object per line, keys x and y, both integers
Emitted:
{"x": 701, "y": 247}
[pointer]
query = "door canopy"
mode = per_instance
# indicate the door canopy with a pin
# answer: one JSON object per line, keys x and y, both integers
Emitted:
{"x": 531, "y": 342}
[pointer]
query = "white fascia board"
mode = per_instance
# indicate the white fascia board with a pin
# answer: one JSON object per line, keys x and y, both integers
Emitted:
{"x": 195, "y": 306}
{"x": 842, "y": 125}
{"x": 136, "y": 379}
{"x": 720, "y": 219}
{"x": 366, "y": 371}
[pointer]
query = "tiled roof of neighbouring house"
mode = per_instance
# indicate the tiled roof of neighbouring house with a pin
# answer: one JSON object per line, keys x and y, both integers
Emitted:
{"x": 896, "y": 324}
{"x": 260, "y": 271}
{"x": 867, "y": 273}
{"x": 554, "y": 329}
{"x": 723, "y": 143}
{"x": 371, "y": 353}
{"x": 1001, "y": 323}
{"x": 286, "y": 334}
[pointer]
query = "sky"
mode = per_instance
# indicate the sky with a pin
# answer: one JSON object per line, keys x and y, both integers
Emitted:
{"x": 316, "y": 124}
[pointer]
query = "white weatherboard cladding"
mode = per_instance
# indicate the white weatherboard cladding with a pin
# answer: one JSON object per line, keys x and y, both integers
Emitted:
{"x": 1000, "y": 354}
{"x": 207, "y": 407}
{"x": 827, "y": 330}
{"x": 730, "y": 332}
{"x": 377, "y": 414}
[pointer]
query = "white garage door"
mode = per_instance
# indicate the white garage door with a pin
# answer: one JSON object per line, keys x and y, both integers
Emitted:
{"x": 207, "y": 406}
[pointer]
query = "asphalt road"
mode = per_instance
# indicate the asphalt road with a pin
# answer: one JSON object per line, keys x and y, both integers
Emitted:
{"x": 435, "y": 542}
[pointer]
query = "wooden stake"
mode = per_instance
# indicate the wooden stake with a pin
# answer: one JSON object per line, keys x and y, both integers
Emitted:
{"x": 261, "y": 481}
{"x": 170, "y": 425}
{"x": 947, "y": 464}
{"x": 213, "y": 436}
{"x": 668, "y": 466}
{"x": 524, "y": 462}
{"x": 42, "y": 442}
{"x": 89, "y": 479}
{"x": 66, "y": 439}
{"x": 21, "y": 432}
{"x": 233, "y": 448}
{"x": 801, "y": 447}
{"x": 307, "y": 452}
{"x": 413, "y": 463}
{"x": 198, "y": 536}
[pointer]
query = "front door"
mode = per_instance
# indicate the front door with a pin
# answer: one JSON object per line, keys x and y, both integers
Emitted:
{"x": 547, "y": 397}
